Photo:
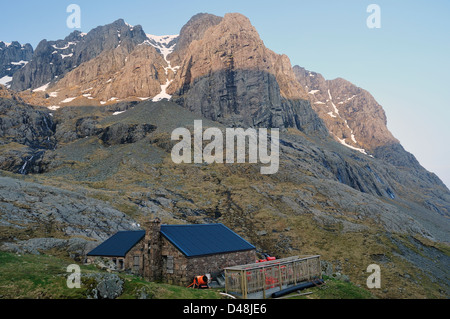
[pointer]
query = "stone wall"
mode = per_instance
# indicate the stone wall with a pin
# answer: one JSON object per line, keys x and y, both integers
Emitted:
{"x": 136, "y": 251}
{"x": 185, "y": 269}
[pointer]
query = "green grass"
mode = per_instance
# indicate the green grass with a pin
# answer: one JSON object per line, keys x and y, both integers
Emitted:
{"x": 36, "y": 277}
{"x": 134, "y": 286}
{"x": 45, "y": 277}
{"x": 333, "y": 289}
{"x": 336, "y": 289}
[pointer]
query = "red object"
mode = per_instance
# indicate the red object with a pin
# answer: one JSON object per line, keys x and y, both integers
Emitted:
{"x": 200, "y": 282}
{"x": 271, "y": 258}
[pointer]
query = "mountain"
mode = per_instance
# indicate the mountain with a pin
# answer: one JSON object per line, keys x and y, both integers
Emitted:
{"x": 245, "y": 84}
{"x": 53, "y": 59}
{"x": 91, "y": 117}
{"x": 355, "y": 119}
{"x": 110, "y": 63}
{"x": 13, "y": 57}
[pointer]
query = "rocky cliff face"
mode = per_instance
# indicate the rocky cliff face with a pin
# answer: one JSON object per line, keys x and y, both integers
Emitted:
{"x": 351, "y": 114}
{"x": 32, "y": 204}
{"x": 356, "y": 120}
{"x": 228, "y": 75}
{"x": 13, "y": 57}
{"x": 193, "y": 30}
{"x": 53, "y": 59}
{"x": 112, "y": 76}
{"x": 26, "y": 133}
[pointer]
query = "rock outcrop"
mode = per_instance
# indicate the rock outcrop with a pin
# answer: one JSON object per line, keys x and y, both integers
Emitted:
{"x": 72, "y": 213}
{"x": 121, "y": 133}
{"x": 26, "y": 133}
{"x": 25, "y": 124}
{"x": 13, "y": 57}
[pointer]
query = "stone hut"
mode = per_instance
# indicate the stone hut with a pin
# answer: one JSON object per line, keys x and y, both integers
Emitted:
{"x": 176, "y": 253}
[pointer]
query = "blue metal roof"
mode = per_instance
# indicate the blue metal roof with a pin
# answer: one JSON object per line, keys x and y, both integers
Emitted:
{"x": 119, "y": 244}
{"x": 201, "y": 240}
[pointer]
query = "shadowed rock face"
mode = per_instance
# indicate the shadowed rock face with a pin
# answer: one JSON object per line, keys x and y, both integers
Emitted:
{"x": 243, "y": 98}
{"x": 125, "y": 133}
{"x": 25, "y": 124}
{"x": 13, "y": 57}
{"x": 26, "y": 132}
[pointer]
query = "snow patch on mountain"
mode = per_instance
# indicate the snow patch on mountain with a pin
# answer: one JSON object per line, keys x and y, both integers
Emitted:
{"x": 164, "y": 44}
{"x": 130, "y": 26}
{"x": 335, "y": 115}
{"x": 63, "y": 56}
{"x": 69, "y": 99}
{"x": 7, "y": 44}
{"x": 163, "y": 94}
{"x": 342, "y": 141}
{"x": 6, "y": 80}
{"x": 335, "y": 108}
{"x": 42, "y": 88}
{"x": 65, "y": 47}
{"x": 21, "y": 62}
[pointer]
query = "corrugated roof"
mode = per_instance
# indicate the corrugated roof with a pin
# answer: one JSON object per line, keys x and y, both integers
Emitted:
{"x": 119, "y": 244}
{"x": 191, "y": 240}
{"x": 201, "y": 240}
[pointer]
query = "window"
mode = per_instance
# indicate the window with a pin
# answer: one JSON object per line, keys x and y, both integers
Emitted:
{"x": 136, "y": 263}
{"x": 169, "y": 264}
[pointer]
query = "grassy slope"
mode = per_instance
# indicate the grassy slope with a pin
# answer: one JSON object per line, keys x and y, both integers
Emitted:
{"x": 44, "y": 277}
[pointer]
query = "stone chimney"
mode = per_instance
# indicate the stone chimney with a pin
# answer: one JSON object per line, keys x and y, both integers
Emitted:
{"x": 152, "y": 253}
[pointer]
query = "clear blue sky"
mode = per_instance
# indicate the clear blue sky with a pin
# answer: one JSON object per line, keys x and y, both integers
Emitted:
{"x": 405, "y": 64}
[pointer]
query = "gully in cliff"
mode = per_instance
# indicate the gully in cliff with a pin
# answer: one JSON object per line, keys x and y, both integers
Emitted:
{"x": 233, "y": 150}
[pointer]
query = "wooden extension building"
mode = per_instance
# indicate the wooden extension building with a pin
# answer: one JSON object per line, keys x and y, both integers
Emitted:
{"x": 261, "y": 280}
{"x": 175, "y": 253}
